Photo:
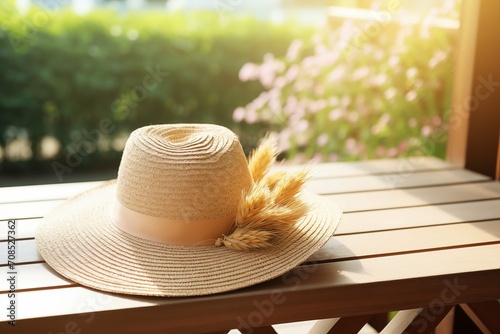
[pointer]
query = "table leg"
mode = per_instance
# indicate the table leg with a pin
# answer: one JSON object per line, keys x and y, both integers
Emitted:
{"x": 446, "y": 325}
{"x": 486, "y": 315}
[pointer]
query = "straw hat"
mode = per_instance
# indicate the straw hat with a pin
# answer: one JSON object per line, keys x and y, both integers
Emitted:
{"x": 187, "y": 215}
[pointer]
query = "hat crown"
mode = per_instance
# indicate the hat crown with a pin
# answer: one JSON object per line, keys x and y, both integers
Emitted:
{"x": 183, "y": 172}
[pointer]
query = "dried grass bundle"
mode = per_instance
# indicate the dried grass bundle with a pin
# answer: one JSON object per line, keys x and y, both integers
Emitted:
{"x": 270, "y": 207}
{"x": 273, "y": 178}
{"x": 289, "y": 185}
{"x": 243, "y": 239}
{"x": 262, "y": 158}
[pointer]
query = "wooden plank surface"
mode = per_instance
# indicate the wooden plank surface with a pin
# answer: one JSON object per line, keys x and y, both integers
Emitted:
{"x": 44, "y": 192}
{"x": 402, "y": 167}
{"x": 377, "y": 200}
{"x": 406, "y": 223}
{"x": 23, "y": 210}
{"x": 348, "y": 202}
{"x": 406, "y": 217}
{"x": 358, "y": 222}
{"x": 343, "y": 288}
{"x": 25, "y": 228}
{"x": 391, "y": 181}
{"x": 406, "y": 168}
{"x": 342, "y": 247}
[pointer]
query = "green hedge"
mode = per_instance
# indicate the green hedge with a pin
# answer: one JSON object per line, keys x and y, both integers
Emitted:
{"x": 66, "y": 76}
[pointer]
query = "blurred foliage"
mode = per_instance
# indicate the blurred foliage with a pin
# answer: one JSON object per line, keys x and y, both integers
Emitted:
{"x": 61, "y": 74}
{"x": 373, "y": 89}
{"x": 358, "y": 90}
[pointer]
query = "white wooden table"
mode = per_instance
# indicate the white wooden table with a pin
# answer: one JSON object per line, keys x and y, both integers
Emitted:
{"x": 418, "y": 235}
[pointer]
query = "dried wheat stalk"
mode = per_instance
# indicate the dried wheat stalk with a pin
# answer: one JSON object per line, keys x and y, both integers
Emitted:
{"x": 262, "y": 158}
{"x": 270, "y": 207}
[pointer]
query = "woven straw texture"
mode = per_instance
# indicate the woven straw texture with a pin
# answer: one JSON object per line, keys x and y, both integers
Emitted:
{"x": 79, "y": 240}
{"x": 183, "y": 172}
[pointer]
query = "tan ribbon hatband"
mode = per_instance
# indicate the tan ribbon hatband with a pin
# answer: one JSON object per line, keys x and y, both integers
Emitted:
{"x": 176, "y": 232}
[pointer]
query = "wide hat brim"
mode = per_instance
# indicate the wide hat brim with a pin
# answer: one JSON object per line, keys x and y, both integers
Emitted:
{"x": 79, "y": 241}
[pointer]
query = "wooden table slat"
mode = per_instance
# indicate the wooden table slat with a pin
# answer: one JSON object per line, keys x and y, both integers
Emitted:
{"x": 402, "y": 167}
{"x": 23, "y": 210}
{"x": 391, "y": 181}
{"x": 415, "y": 232}
{"x": 349, "y": 202}
{"x": 439, "y": 270}
{"x": 407, "y": 217}
{"x": 348, "y": 247}
{"x": 44, "y": 192}
{"x": 387, "y": 199}
{"x": 359, "y": 222}
{"x": 344, "y": 247}
{"x": 388, "y": 173}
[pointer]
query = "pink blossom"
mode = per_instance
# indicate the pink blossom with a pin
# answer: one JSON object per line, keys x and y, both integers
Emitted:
{"x": 436, "y": 121}
{"x": 392, "y": 152}
{"x": 293, "y": 50}
{"x": 335, "y": 114}
{"x": 380, "y": 151}
{"x": 251, "y": 117}
{"x": 379, "y": 80}
{"x": 426, "y": 131}
{"x": 317, "y": 157}
{"x": 411, "y": 73}
{"x": 308, "y": 63}
{"x": 249, "y": 71}
{"x": 350, "y": 145}
{"x": 418, "y": 83}
{"x": 322, "y": 140}
{"x": 390, "y": 93}
{"x": 266, "y": 76}
{"x": 314, "y": 106}
{"x": 386, "y": 117}
{"x": 361, "y": 73}
{"x": 333, "y": 157}
{"x": 360, "y": 148}
{"x": 403, "y": 146}
{"x": 302, "y": 125}
{"x": 238, "y": 114}
{"x": 275, "y": 105}
{"x": 280, "y": 82}
{"x": 411, "y": 95}
{"x": 437, "y": 58}
{"x": 291, "y": 104}
{"x": 336, "y": 75}
{"x": 292, "y": 73}
{"x": 320, "y": 49}
{"x": 393, "y": 61}
{"x": 381, "y": 124}
{"x": 303, "y": 85}
{"x": 284, "y": 140}
{"x": 260, "y": 101}
{"x": 268, "y": 58}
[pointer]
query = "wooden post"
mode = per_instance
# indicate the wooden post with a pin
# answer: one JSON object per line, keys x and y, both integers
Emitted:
{"x": 473, "y": 140}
